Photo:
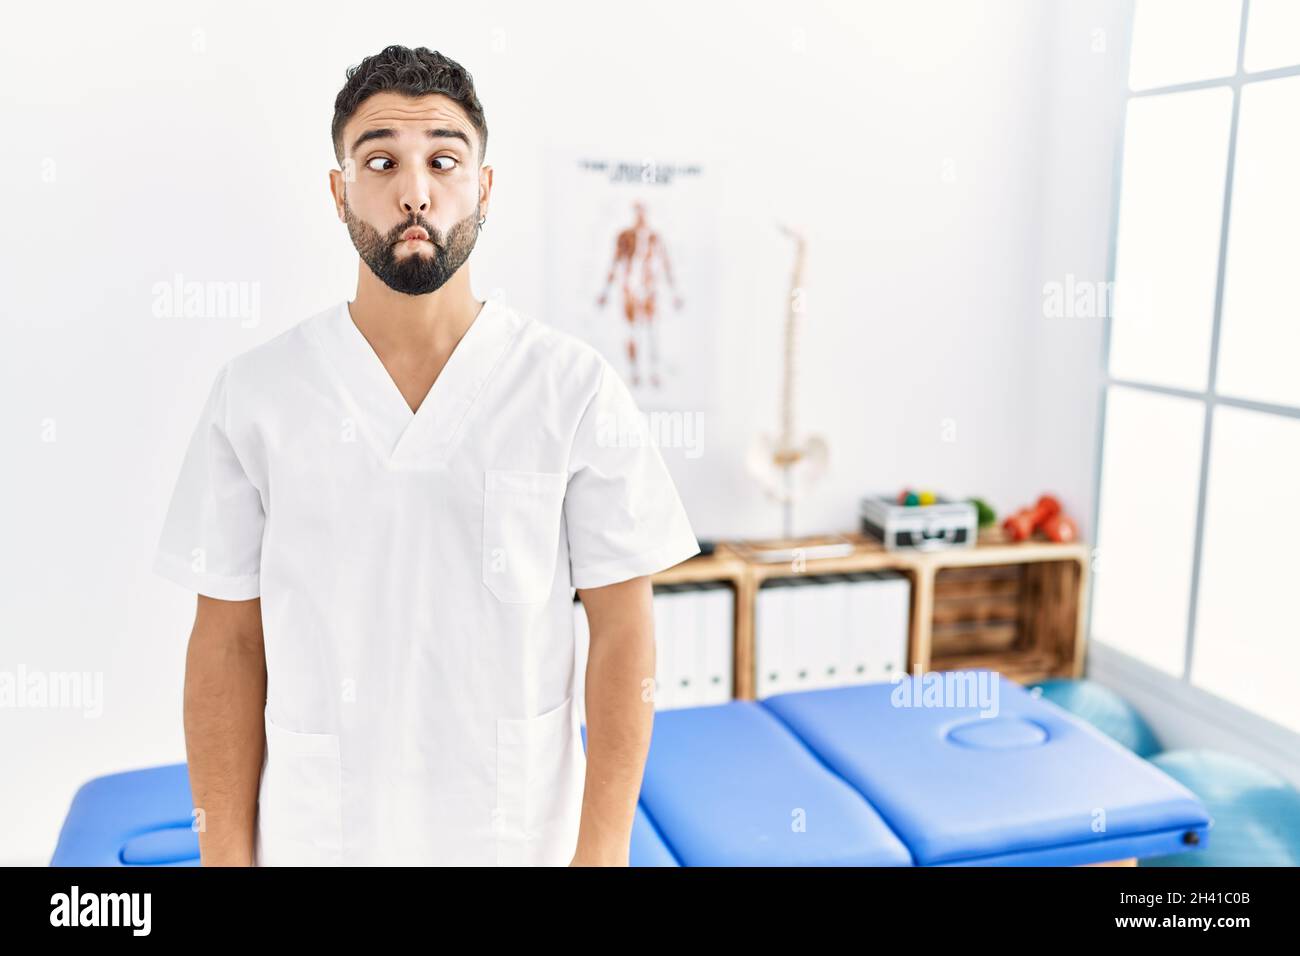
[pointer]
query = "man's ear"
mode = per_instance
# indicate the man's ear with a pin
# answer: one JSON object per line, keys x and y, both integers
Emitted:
{"x": 337, "y": 189}
{"x": 484, "y": 189}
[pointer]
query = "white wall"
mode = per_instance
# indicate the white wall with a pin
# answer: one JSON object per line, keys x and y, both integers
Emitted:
{"x": 913, "y": 141}
{"x": 1084, "y": 121}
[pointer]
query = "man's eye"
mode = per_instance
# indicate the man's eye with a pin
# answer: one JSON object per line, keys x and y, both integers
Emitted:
{"x": 449, "y": 158}
{"x": 370, "y": 163}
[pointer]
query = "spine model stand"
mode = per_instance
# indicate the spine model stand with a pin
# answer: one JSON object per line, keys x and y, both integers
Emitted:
{"x": 787, "y": 466}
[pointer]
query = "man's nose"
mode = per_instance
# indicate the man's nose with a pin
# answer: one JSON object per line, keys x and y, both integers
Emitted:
{"x": 415, "y": 195}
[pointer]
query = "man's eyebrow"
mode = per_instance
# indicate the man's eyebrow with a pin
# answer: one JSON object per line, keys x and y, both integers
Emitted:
{"x": 386, "y": 133}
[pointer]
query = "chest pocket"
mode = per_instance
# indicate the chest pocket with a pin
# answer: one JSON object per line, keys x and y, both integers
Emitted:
{"x": 521, "y": 533}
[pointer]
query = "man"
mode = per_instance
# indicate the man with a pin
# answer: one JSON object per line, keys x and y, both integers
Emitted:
{"x": 385, "y": 511}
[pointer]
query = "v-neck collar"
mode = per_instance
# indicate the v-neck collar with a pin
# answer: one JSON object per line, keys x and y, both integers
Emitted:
{"x": 422, "y": 438}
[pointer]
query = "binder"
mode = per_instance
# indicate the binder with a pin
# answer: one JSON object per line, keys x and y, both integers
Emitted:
{"x": 834, "y": 630}
{"x": 859, "y": 645}
{"x": 890, "y": 649}
{"x": 801, "y": 632}
{"x": 770, "y": 637}
{"x": 686, "y": 674}
{"x": 665, "y": 646}
{"x": 717, "y": 609}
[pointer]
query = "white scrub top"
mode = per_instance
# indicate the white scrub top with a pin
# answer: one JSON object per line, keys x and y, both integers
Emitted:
{"x": 416, "y": 575}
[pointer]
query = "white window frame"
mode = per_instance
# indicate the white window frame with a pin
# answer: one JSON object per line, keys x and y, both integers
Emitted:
{"x": 1222, "y": 713}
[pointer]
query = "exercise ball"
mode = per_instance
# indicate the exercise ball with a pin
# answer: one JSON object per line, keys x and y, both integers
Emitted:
{"x": 1256, "y": 813}
{"x": 1104, "y": 709}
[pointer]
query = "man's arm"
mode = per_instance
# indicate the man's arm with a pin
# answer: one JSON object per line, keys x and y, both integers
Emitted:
{"x": 620, "y": 716}
{"x": 225, "y": 694}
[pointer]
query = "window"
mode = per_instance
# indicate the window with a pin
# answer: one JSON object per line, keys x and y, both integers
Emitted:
{"x": 1197, "y": 565}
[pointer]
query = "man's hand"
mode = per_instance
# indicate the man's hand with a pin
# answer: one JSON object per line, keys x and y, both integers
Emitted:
{"x": 613, "y": 859}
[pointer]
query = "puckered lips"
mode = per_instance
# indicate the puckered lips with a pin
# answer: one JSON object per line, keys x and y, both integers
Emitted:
{"x": 415, "y": 234}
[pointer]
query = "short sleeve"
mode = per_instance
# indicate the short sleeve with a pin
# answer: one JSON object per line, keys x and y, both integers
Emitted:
{"x": 621, "y": 509}
{"x": 211, "y": 538}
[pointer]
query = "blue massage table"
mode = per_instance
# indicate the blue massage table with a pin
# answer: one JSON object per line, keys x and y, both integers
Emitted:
{"x": 836, "y": 777}
{"x": 136, "y": 818}
{"x": 1032, "y": 785}
{"x": 142, "y": 818}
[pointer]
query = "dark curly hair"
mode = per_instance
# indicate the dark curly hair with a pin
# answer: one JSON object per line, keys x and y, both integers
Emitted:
{"x": 418, "y": 72}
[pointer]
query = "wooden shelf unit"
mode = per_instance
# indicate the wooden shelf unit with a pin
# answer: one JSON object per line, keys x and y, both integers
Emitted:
{"x": 1013, "y": 607}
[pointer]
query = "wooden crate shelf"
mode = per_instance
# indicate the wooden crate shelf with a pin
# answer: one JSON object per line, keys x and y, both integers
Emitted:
{"x": 1013, "y": 607}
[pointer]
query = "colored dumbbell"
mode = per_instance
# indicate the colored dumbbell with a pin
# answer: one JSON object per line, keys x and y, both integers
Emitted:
{"x": 1019, "y": 525}
{"x": 1046, "y": 516}
{"x": 1046, "y": 507}
{"x": 987, "y": 516}
{"x": 1060, "y": 528}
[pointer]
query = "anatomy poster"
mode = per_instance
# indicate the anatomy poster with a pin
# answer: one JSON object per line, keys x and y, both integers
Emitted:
{"x": 632, "y": 269}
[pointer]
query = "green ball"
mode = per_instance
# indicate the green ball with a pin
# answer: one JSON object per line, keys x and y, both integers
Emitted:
{"x": 911, "y": 499}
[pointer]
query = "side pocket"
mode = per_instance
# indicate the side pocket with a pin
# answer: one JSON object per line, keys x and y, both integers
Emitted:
{"x": 541, "y": 768}
{"x": 521, "y": 533}
{"x": 300, "y": 799}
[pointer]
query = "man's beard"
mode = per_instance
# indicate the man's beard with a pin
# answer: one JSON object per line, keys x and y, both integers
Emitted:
{"x": 415, "y": 273}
